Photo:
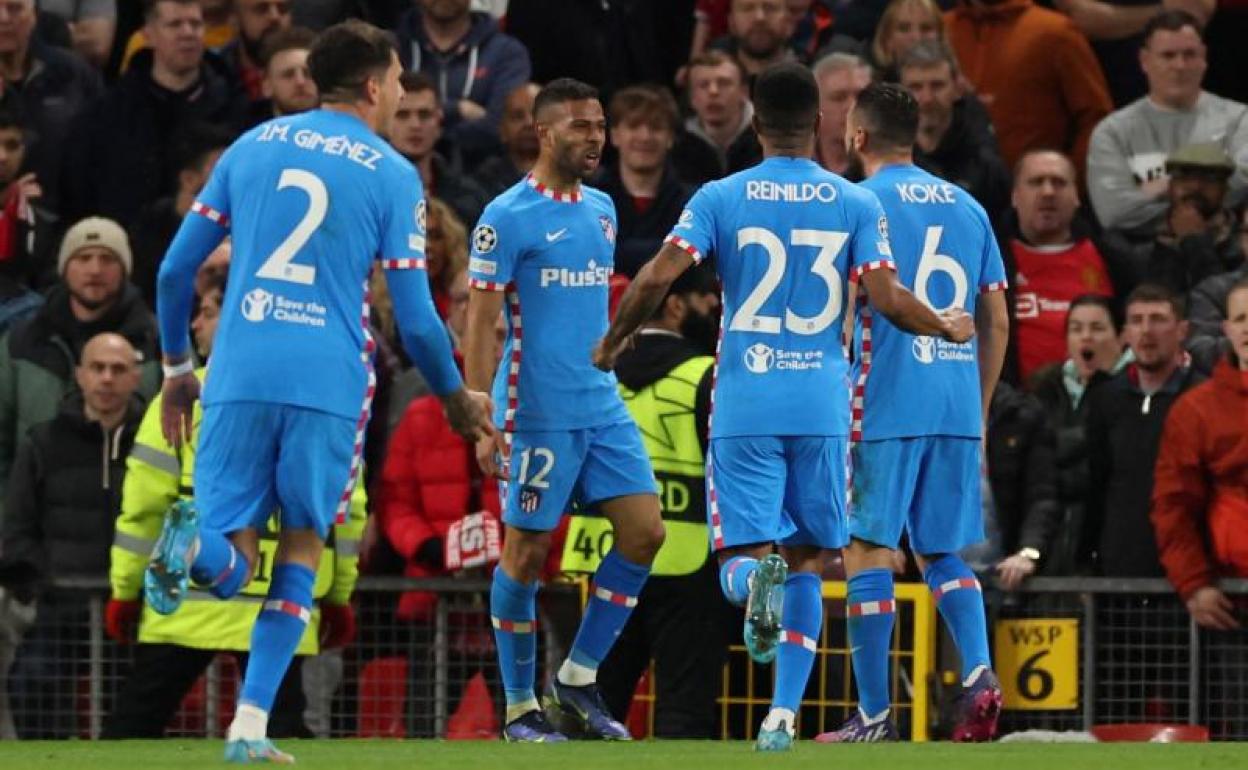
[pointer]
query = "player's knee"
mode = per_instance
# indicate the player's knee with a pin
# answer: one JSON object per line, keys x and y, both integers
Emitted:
{"x": 650, "y": 538}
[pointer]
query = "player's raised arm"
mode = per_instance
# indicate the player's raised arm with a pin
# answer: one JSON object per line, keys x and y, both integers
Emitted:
{"x": 640, "y": 300}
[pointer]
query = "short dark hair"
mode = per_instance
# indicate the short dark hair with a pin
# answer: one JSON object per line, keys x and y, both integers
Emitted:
{"x": 415, "y": 82}
{"x": 1152, "y": 292}
{"x": 716, "y": 58}
{"x": 644, "y": 102}
{"x": 11, "y": 114}
{"x": 929, "y": 53}
{"x": 1171, "y": 21}
{"x": 1096, "y": 300}
{"x": 890, "y": 114}
{"x": 563, "y": 90}
{"x": 149, "y": 6}
{"x": 786, "y": 100}
{"x": 699, "y": 279}
{"x": 345, "y": 56}
{"x": 281, "y": 40}
{"x": 1033, "y": 152}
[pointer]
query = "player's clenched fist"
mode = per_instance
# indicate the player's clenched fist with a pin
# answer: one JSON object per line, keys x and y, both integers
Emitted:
{"x": 468, "y": 412}
{"x": 959, "y": 325}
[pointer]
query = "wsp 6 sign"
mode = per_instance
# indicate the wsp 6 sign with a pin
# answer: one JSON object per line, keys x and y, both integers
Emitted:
{"x": 1038, "y": 662}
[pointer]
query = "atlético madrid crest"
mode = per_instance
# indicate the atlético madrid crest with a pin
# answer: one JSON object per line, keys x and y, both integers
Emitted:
{"x": 608, "y": 229}
{"x": 530, "y": 499}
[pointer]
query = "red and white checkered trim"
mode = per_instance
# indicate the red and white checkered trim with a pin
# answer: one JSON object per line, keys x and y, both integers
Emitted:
{"x": 229, "y": 569}
{"x": 560, "y": 197}
{"x": 410, "y": 263}
{"x": 954, "y": 585}
{"x": 513, "y": 626}
{"x": 614, "y": 597}
{"x": 288, "y": 607}
{"x": 684, "y": 246}
{"x": 860, "y": 386}
{"x": 477, "y": 283}
{"x": 361, "y": 424}
{"x": 879, "y": 264}
{"x": 881, "y": 607}
{"x": 717, "y": 522}
{"x": 800, "y": 639}
{"x": 211, "y": 214}
{"x": 994, "y": 286}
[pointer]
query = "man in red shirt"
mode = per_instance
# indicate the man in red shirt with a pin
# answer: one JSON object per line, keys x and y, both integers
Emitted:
{"x": 1051, "y": 263}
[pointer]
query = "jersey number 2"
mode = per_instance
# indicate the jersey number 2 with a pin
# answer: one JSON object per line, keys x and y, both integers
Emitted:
{"x": 280, "y": 264}
{"x": 747, "y": 318}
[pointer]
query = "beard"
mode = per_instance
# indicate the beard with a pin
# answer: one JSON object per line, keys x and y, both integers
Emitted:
{"x": 701, "y": 329}
{"x": 855, "y": 170}
{"x": 93, "y": 304}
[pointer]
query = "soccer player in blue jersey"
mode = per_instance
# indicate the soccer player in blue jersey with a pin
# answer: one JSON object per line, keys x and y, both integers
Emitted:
{"x": 786, "y": 237}
{"x": 917, "y": 464}
{"x": 311, "y": 202}
{"x": 543, "y": 253}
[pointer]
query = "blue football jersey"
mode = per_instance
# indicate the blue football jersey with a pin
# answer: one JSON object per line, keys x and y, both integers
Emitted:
{"x": 310, "y": 201}
{"x": 786, "y": 235}
{"x": 553, "y": 255}
{"x": 946, "y": 254}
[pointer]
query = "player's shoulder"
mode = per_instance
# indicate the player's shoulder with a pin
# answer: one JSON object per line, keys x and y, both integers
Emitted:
{"x": 598, "y": 200}
{"x": 506, "y": 204}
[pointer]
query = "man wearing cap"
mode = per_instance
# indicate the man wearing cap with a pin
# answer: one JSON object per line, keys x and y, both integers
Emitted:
{"x": 1128, "y": 151}
{"x": 1199, "y": 235}
{"x": 38, "y": 355}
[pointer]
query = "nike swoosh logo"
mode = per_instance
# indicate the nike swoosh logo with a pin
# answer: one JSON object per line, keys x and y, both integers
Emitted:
{"x": 556, "y": 235}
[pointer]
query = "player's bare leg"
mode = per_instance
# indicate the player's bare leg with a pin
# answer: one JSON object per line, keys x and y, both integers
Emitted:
{"x": 961, "y": 604}
{"x": 638, "y": 528}
{"x": 871, "y": 607}
{"x": 275, "y": 637}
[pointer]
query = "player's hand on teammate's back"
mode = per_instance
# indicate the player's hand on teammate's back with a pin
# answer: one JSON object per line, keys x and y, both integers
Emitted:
{"x": 961, "y": 325}
{"x": 178, "y": 396}
{"x": 469, "y": 413}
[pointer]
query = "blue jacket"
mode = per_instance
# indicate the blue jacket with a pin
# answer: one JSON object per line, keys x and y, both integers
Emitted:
{"x": 484, "y": 67}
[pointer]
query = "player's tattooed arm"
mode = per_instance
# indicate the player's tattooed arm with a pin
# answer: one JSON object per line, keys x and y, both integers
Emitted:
{"x": 641, "y": 299}
{"x": 904, "y": 310}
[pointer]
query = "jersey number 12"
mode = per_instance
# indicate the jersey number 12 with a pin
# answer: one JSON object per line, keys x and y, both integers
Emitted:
{"x": 280, "y": 264}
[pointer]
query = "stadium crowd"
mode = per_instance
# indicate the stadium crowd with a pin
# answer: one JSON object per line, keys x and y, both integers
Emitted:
{"x": 1107, "y": 140}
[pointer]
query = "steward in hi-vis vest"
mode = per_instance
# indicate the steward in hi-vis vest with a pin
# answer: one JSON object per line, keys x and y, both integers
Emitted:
{"x": 679, "y": 623}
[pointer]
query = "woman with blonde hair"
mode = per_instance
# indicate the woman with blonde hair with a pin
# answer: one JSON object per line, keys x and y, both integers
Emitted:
{"x": 903, "y": 24}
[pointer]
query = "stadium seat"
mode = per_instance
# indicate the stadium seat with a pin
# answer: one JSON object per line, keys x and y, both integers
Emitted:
{"x": 383, "y": 698}
{"x": 1152, "y": 733}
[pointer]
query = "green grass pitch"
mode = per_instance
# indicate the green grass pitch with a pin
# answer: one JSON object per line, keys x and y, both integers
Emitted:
{"x": 682, "y": 755}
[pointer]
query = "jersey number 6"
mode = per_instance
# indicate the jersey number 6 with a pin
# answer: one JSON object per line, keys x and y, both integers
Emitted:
{"x": 829, "y": 243}
{"x": 931, "y": 261}
{"x": 279, "y": 266}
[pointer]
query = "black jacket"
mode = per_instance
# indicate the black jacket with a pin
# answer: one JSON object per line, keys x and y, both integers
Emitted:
{"x": 1021, "y": 471}
{"x": 968, "y": 156}
{"x": 64, "y": 497}
{"x": 641, "y": 233}
{"x": 698, "y": 160}
{"x": 119, "y": 155}
{"x": 1124, "y": 432}
{"x": 1206, "y": 310}
{"x": 653, "y": 355}
{"x": 1068, "y": 424}
{"x": 496, "y": 174}
{"x": 151, "y": 232}
{"x": 457, "y": 190}
{"x": 1180, "y": 264}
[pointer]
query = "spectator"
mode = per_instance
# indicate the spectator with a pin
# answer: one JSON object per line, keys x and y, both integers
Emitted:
{"x": 119, "y": 156}
{"x": 1052, "y": 260}
{"x": 1126, "y": 414}
{"x": 194, "y": 156}
{"x": 255, "y": 19}
{"x": 717, "y": 139}
{"x": 220, "y": 29}
{"x": 1200, "y": 235}
{"x": 1022, "y": 473}
{"x": 841, "y": 77}
{"x": 904, "y": 24}
{"x": 812, "y": 22}
{"x": 52, "y": 87}
{"x": 1126, "y": 159}
{"x": 1115, "y": 29}
{"x": 647, "y": 195}
{"x": 287, "y": 86}
{"x": 758, "y": 35}
{"x": 415, "y": 131}
{"x": 1207, "y": 308}
{"x": 1093, "y": 347}
{"x": 37, "y": 356}
{"x": 955, "y": 139}
{"x": 92, "y": 25}
{"x": 519, "y": 140}
{"x": 1199, "y": 508}
{"x": 679, "y": 621}
{"x": 474, "y": 65}
{"x": 1035, "y": 73}
{"x": 26, "y": 228}
{"x": 446, "y": 253}
{"x": 173, "y": 650}
{"x": 60, "y": 506}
